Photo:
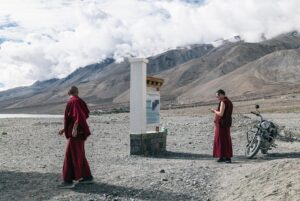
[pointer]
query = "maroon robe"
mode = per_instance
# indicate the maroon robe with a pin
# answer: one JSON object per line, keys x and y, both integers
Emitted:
{"x": 75, "y": 163}
{"x": 222, "y": 139}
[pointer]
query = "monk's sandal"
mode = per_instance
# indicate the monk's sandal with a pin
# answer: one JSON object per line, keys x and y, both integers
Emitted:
{"x": 86, "y": 180}
{"x": 66, "y": 185}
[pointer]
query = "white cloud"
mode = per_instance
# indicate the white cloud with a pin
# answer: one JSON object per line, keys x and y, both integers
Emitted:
{"x": 46, "y": 39}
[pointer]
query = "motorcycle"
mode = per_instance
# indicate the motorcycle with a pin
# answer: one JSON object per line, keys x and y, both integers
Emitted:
{"x": 262, "y": 136}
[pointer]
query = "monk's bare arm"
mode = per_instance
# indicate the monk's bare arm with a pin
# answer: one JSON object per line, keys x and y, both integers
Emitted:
{"x": 74, "y": 132}
{"x": 222, "y": 109}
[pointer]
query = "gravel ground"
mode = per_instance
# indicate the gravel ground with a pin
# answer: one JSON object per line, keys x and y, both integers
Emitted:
{"x": 32, "y": 154}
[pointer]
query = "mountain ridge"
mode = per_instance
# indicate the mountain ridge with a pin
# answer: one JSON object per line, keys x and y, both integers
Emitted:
{"x": 191, "y": 74}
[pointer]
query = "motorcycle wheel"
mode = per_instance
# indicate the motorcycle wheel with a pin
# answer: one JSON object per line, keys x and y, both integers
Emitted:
{"x": 253, "y": 147}
{"x": 251, "y": 133}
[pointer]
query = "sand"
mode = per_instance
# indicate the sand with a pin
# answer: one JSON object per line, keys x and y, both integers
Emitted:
{"x": 31, "y": 157}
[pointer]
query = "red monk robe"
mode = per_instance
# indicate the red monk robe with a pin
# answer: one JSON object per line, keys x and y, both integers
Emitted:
{"x": 75, "y": 164}
{"x": 222, "y": 140}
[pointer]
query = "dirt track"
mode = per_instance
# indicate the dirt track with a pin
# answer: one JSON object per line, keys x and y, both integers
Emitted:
{"x": 31, "y": 156}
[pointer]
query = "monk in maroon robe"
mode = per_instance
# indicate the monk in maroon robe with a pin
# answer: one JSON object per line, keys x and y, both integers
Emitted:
{"x": 76, "y": 130}
{"x": 222, "y": 141}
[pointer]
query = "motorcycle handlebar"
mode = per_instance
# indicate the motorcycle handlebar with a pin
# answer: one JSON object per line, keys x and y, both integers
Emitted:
{"x": 257, "y": 114}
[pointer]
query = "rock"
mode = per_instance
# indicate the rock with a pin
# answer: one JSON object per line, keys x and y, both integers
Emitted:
{"x": 162, "y": 171}
{"x": 164, "y": 179}
{"x": 4, "y": 133}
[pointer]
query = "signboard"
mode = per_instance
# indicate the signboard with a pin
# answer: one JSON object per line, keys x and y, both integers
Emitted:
{"x": 153, "y": 106}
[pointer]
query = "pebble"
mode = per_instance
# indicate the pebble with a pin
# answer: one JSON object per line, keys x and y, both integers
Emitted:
{"x": 162, "y": 171}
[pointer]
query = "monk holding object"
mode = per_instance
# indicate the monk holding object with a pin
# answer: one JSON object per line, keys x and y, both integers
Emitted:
{"x": 222, "y": 141}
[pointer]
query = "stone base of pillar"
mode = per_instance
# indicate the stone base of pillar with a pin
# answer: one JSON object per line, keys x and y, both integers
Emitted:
{"x": 148, "y": 144}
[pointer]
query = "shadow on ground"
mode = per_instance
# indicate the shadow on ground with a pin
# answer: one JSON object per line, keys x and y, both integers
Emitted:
{"x": 184, "y": 156}
{"x": 28, "y": 185}
{"x": 273, "y": 156}
{"x": 194, "y": 156}
{"x": 129, "y": 192}
{"x": 266, "y": 157}
{"x": 235, "y": 159}
{"x": 43, "y": 186}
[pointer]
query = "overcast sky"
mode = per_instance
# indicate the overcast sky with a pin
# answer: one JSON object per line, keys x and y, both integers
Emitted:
{"x": 43, "y": 39}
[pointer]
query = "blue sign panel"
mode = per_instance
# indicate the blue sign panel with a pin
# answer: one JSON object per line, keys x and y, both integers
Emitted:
{"x": 153, "y": 107}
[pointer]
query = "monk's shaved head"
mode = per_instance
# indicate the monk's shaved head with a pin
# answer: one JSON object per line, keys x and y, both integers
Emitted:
{"x": 73, "y": 91}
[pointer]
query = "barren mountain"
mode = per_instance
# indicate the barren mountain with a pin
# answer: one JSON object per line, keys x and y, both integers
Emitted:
{"x": 192, "y": 74}
{"x": 98, "y": 83}
{"x": 271, "y": 74}
{"x": 192, "y": 81}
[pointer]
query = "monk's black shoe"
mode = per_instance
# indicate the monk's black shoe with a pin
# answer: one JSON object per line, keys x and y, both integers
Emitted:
{"x": 220, "y": 160}
{"x": 227, "y": 160}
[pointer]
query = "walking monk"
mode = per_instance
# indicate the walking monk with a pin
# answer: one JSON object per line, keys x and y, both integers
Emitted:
{"x": 223, "y": 120}
{"x": 76, "y": 130}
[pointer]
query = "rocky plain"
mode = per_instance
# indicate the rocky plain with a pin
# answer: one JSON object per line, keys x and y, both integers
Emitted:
{"x": 31, "y": 159}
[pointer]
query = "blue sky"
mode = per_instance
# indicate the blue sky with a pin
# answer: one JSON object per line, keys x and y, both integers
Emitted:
{"x": 2, "y": 40}
{"x": 8, "y": 24}
{"x": 194, "y": 1}
{"x": 42, "y": 39}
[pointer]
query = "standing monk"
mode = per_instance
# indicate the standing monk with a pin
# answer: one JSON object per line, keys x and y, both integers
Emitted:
{"x": 223, "y": 121}
{"x": 76, "y": 130}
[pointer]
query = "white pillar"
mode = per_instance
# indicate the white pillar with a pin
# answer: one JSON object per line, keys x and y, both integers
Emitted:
{"x": 138, "y": 89}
